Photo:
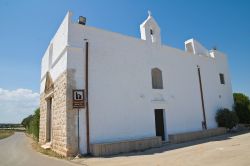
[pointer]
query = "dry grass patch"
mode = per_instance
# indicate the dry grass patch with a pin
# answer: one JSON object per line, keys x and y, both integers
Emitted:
{"x": 37, "y": 147}
{"x": 5, "y": 133}
{"x": 48, "y": 152}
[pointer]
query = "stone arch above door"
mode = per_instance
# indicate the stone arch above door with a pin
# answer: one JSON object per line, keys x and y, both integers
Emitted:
{"x": 49, "y": 84}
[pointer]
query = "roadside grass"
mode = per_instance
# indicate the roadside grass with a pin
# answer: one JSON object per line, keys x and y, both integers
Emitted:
{"x": 5, "y": 133}
{"x": 48, "y": 152}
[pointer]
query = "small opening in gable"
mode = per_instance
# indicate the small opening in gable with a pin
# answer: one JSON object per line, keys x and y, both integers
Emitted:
{"x": 151, "y": 32}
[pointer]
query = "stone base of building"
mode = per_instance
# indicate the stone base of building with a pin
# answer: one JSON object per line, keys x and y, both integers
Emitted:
{"x": 105, "y": 149}
{"x": 184, "y": 137}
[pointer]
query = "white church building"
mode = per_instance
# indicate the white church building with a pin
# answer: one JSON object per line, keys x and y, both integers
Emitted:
{"x": 137, "y": 91}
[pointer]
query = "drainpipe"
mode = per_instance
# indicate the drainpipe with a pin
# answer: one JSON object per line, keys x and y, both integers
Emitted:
{"x": 202, "y": 100}
{"x": 87, "y": 93}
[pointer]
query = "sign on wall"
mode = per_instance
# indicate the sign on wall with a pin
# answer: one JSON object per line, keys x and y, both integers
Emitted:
{"x": 78, "y": 98}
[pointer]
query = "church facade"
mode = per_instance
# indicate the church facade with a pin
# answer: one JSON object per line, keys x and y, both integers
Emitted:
{"x": 133, "y": 88}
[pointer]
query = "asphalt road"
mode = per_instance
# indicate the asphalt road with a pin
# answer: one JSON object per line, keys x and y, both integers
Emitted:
{"x": 17, "y": 151}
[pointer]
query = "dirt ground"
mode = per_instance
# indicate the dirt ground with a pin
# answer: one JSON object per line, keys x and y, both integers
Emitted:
{"x": 226, "y": 150}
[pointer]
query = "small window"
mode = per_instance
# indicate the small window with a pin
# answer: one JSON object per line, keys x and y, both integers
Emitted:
{"x": 157, "y": 82}
{"x": 189, "y": 48}
{"x": 151, "y": 31}
{"x": 222, "y": 79}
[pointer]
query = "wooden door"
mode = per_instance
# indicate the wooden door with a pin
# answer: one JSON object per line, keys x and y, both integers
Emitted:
{"x": 159, "y": 123}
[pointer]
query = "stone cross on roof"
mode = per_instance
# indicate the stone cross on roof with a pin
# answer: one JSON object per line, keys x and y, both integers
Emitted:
{"x": 149, "y": 13}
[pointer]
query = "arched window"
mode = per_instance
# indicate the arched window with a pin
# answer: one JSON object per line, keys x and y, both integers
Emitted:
{"x": 157, "y": 82}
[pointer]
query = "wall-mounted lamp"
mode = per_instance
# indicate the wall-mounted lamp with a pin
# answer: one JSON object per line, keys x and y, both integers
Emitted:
{"x": 82, "y": 20}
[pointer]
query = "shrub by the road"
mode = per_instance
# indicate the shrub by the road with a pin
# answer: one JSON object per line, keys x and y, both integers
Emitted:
{"x": 226, "y": 118}
{"x": 31, "y": 123}
{"x": 242, "y": 107}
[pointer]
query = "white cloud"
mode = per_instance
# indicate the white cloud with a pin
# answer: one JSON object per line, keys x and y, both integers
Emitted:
{"x": 17, "y": 104}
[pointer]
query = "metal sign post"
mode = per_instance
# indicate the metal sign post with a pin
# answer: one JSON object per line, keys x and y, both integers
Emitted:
{"x": 78, "y": 135}
{"x": 78, "y": 102}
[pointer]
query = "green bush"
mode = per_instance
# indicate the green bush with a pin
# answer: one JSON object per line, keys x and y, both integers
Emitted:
{"x": 26, "y": 121}
{"x": 226, "y": 118}
{"x": 31, "y": 123}
{"x": 242, "y": 107}
{"x": 36, "y": 123}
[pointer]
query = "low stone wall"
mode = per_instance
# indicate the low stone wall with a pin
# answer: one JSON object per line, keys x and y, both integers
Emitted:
{"x": 184, "y": 137}
{"x": 104, "y": 149}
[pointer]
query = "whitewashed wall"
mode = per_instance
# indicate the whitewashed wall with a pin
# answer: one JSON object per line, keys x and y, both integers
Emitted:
{"x": 121, "y": 97}
{"x": 55, "y": 57}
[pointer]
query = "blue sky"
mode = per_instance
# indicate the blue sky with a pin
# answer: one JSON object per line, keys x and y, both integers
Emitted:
{"x": 26, "y": 28}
